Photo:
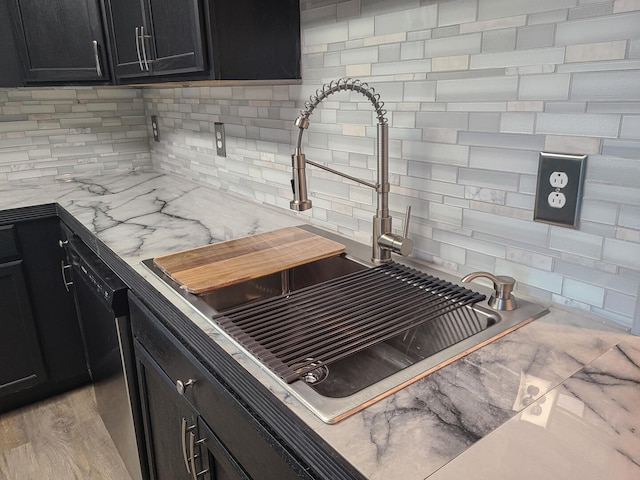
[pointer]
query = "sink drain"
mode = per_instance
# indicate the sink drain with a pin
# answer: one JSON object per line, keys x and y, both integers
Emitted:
{"x": 312, "y": 373}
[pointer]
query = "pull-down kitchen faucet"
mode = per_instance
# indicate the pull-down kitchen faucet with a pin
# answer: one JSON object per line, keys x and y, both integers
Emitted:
{"x": 384, "y": 241}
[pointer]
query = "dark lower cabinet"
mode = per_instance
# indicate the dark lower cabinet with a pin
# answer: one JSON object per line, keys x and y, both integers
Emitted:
{"x": 21, "y": 359}
{"x": 182, "y": 444}
{"x": 204, "y": 432}
{"x": 41, "y": 347}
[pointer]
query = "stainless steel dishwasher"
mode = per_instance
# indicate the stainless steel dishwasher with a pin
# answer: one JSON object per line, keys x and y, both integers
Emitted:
{"x": 101, "y": 300}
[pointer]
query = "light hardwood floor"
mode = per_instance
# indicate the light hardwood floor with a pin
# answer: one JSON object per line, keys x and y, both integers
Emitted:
{"x": 62, "y": 438}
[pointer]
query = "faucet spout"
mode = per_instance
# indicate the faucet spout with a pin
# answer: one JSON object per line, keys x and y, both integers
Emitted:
{"x": 384, "y": 240}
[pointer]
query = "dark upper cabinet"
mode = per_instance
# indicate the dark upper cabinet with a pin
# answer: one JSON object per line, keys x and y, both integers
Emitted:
{"x": 59, "y": 41}
{"x": 10, "y": 71}
{"x": 164, "y": 40}
{"x": 155, "y": 37}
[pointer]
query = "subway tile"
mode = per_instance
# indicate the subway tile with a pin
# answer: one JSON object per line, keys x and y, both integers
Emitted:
{"x": 484, "y": 122}
{"x": 544, "y": 87}
{"x": 622, "y": 148}
{"x": 575, "y": 242}
{"x": 537, "y": 36}
{"x": 517, "y": 123}
{"x": 395, "y": 68}
{"x": 477, "y": 89}
{"x": 593, "y": 52}
{"x": 523, "y": 231}
{"x": 574, "y": 124}
{"x": 629, "y": 217}
{"x": 407, "y": 20}
{"x": 499, "y": 40}
{"x": 507, "y": 8}
{"x": 505, "y": 160}
{"x": 437, "y": 153}
{"x": 622, "y": 253}
{"x": 412, "y": 50}
{"x": 489, "y": 179}
{"x": 493, "y": 24}
{"x": 583, "y": 292}
{"x": 617, "y": 172}
{"x": 431, "y": 186}
{"x": 600, "y": 212}
{"x": 456, "y": 120}
{"x": 456, "y": 62}
{"x": 456, "y": 12}
{"x": 591, "y": 9}
{"x": 359, "y": 55}
{"x": 330, "y": 33}
{"x": 619, "y": 303}
{"x": 533, "y": 277}
{"x": 458, "y": 45}
{"x": 19, "y": 126}
{"x": 630, "y": 127}
{"x": 539, "y": 56}
{"x": 572, "y": 145}
{"x": 599, "y": 29}
{"x": 611, "y": 193}
{"x": 502, "y": 140}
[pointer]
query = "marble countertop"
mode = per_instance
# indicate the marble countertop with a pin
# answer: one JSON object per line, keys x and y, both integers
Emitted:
{"x": 558, "y": 398}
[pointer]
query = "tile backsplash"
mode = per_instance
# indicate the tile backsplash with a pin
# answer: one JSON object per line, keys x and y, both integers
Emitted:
{"x": 53, "y": 132}
{"x": 474, "y": 90}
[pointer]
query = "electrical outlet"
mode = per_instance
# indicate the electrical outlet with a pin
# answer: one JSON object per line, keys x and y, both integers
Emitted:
{"x": 557, "y": 200}
{"x": 221, "y": 141}
{"x": 559, "y": 189}
{"x": 154, "y": 128}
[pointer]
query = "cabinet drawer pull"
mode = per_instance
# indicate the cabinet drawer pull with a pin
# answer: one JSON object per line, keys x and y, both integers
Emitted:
{"x": 193, "y": 456}
{"x": 97, "y": 58}
{"x": 138, "y": 47}
{"x": 63, "y": 268}
{"x": 181, "y": 386}
{"x": 184, "y": 429}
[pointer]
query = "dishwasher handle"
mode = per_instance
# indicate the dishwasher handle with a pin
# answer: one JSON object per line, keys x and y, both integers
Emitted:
{"x": 63, "y": 270}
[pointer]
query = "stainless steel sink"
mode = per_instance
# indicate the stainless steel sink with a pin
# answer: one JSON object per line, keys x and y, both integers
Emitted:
{"x": 338, "y": 389}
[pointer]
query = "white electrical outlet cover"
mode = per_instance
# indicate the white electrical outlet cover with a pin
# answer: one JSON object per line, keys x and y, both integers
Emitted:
{"x": 558, "y": 179}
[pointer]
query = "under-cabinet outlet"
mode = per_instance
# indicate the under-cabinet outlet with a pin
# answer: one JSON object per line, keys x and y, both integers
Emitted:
{"x": 559, "y": 189}
{"x": 154, "y": 128}
{"x": 221, "y": 141}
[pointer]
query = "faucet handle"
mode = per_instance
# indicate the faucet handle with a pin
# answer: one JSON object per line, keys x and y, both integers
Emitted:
{"x": 502, "y": 299}
{"x": 402, "y": 245}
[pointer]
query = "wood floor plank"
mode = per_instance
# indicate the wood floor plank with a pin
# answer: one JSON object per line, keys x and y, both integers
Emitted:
{"x": 65, "y": 440}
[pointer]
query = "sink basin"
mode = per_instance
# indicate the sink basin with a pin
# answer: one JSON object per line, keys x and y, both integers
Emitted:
{"x": 334, "y": 390}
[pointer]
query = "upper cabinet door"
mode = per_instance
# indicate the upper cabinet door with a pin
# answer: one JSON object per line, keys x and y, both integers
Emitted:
{"x": 126, "y": 23}
{"x": 60, "y": 41}
{"x": 176, "y": 36}
{"x": 156, "y": 37}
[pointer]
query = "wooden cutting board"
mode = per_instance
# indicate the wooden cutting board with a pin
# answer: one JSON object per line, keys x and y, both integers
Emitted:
{"x": 203, "y": 269}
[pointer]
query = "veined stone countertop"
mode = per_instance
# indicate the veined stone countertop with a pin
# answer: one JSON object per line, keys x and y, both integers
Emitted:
{"x": 558, "y": 398}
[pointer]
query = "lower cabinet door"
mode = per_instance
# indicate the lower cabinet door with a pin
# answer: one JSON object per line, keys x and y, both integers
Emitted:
{"x": 21, "y": 359}
{"x": 220, "y": 465}
{"x": 170, "y": 424}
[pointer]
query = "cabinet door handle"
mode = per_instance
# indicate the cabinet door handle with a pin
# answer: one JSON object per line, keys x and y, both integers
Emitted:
{"x": 184, "y": 431}
{"x": 144, "y": 48}
{"x": 63, "y": 268}
{"x": 193, "y": 456}
{"x": 97, "y": 57}
{"x": 138, "y": 47}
